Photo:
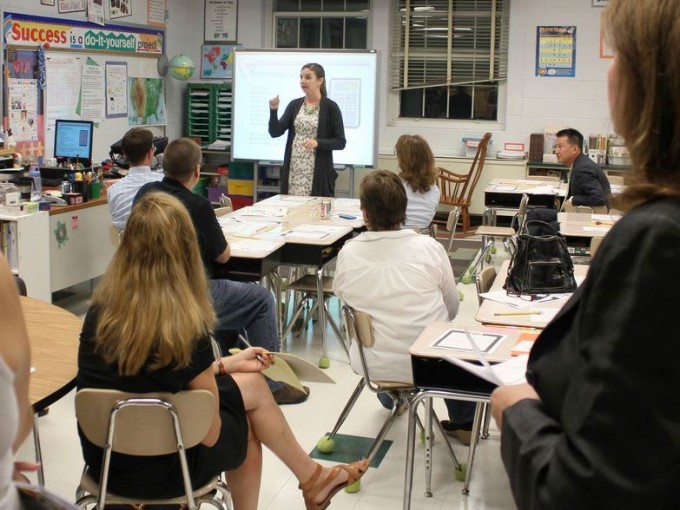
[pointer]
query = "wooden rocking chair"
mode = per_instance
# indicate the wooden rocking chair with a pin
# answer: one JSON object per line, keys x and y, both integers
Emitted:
{"x": 456, "y": 189}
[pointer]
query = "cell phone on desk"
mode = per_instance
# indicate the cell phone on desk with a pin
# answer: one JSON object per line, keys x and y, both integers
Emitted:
{"x": 347, "y": 216}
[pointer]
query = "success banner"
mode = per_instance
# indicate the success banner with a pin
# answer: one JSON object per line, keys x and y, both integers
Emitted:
{"x": 26, "y": 30}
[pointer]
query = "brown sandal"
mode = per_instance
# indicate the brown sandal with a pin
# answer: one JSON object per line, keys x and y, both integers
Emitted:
{"x": 312, "y": 487}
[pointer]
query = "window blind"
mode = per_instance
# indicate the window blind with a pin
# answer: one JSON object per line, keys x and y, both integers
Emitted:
{"x": 448, "y": 42}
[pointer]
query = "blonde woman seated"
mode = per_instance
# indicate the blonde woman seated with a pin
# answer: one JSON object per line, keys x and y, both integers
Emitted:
{"x": 419, "y": 176}
{"x": 148, "y": 330}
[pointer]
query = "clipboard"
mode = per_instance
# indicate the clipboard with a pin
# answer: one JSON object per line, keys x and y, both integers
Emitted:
{"x": 292, "y": 369}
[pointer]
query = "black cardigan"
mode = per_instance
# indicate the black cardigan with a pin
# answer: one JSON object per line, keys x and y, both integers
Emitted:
{"x": 330, "y": 136}
{"x": 606, "y": 432}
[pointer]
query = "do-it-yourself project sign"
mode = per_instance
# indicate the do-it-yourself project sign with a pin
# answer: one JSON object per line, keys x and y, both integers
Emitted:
{"x": 26, "y": 30}
{"x": 556, "y": 51}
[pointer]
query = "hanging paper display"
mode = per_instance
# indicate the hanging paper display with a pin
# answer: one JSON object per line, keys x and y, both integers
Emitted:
{"x": 556, "y": 51}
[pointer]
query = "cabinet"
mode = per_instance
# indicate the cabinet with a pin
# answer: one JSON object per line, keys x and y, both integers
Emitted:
{"x": 267, "y": 180}
{"x": 55, "y": 250}
{"x": 26, "y": 246}
{"x": 208, "y": 113}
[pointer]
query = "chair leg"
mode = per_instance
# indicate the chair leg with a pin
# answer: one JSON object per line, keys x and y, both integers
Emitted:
{"x": 383, "y": 431}
{"x": 487, "y": 421}
{"x": 348, "y": 407}
{"x": 471, "y": 271}
{"x": 473, "y": 446}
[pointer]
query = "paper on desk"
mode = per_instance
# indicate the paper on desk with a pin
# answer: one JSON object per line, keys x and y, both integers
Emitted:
{"x": 547, "y": 314}
{"x": 457, "y": 339}
{"x": 504, "y": 188}
{"x": 245, "y": 229}
{"x": 604, "y": 230}
{"x": 346, "y": 204}
{"x": 605, "y": 217}
{"x": 501, "y": 296}
{"x": 253, "y": 245}
{"x": 511, "y": 371}
{"x": 263, "y": 210}
{"x": 326, "y": 229}
{"x": 296, "y": 198}
{"x": 540, "y": 190}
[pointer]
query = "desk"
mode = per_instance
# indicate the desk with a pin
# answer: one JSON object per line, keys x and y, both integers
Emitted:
{"x": 289, "y": 231}
{"x": 507, "y": 193}
{"x": 579, "y": 229}
{"x": 437, "y": 378}
{"x": 53, "y": 334}
{"x": 489, "y": 310}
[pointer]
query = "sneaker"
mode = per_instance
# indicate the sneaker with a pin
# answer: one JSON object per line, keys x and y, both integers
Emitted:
{"x": 461, "y": 431}
{"x": 290, "y": 395}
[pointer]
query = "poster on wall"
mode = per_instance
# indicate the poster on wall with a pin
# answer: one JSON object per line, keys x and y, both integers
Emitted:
{"x": 64, "y": 73}
{"x": 556, "y": 51}
{"x": 155, "y": 12}
{"x": 220, "y": 20}
{"x": 120, "y": 8}
{"x": 217, "y": 61}
{"x": 24, "y": 94}
{"x": 71, "y": 5}
{"x": 23, "y": 109}
{"x": 26, "y": 30}
{"x": 116, "y": 77}
{"x": 91, "y": 104}
{"x": 146, "y": 103}
{"x": 95, "y": 12}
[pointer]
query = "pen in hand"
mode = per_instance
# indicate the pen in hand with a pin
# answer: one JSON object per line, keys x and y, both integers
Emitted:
{"x": 247, "y": 344}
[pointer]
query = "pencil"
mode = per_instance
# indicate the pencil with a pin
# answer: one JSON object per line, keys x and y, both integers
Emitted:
{"x": 247, "y": 344}
{"x": 517, "y": 313}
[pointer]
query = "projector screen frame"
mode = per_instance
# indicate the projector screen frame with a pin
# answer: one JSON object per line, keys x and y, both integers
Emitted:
{"x": 304, "y": 56}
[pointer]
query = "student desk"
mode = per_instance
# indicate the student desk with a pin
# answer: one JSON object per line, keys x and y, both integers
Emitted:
{"x": 506, "y": 194}
{"x": 435, "y": 377}
{"x": 291, "y": 232}
{"x": 579, "y": 229}
{"x": 53, "y": 334}
{"x": 541, "y": 315}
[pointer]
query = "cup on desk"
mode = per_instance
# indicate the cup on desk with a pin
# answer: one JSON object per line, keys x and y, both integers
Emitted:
{"x": 95, "y": 190}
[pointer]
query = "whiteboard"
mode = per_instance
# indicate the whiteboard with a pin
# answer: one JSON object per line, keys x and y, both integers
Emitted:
{"x": 109, "y": 130}
{"x": 259, "y": 75}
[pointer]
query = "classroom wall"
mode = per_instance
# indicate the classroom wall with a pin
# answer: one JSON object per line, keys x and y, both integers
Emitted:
{"x": 532, "y": 103}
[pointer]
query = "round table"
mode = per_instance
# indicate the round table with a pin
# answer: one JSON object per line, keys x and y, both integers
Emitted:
{"x": 53, "y": 334}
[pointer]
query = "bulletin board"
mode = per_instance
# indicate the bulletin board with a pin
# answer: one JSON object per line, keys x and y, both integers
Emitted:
{"x": 104, "y": 74}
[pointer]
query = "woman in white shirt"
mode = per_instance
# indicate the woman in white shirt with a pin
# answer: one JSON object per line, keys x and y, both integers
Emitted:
{"x": 419, "y": 176}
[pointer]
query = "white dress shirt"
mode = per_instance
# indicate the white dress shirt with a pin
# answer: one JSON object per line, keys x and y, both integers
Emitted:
{"x": 122, "y": 193}
{"x": 421, "y": 206}
{"x": 405, "y": 282}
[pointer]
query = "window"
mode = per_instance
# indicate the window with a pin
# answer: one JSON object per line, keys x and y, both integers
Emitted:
{"x": 333, "y": 24}
{"x": 449, "y": 56}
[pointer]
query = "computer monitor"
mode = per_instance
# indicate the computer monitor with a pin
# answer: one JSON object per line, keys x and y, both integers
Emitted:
{"x": 73, "y": 141}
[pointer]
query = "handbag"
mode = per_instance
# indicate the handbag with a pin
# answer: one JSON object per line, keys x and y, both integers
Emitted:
{"x": 541, "y": 264}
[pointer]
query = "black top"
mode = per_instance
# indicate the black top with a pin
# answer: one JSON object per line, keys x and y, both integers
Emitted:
{"x": 588, "y": 184}
{"x": 330, "y": 136}
{"x": 128, "y": 472}
{"x": 606, "y": 433}
{"x": 211, "y": 240}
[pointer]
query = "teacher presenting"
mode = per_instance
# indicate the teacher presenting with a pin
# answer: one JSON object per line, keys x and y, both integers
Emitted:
{"x": 315, "y": 130}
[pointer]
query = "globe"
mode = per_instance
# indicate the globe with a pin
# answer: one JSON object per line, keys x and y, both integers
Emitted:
{"x": 181, "y": 67}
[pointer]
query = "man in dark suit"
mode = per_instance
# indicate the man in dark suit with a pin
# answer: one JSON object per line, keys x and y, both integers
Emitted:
{"x": 588, "y": 185}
